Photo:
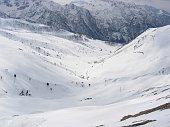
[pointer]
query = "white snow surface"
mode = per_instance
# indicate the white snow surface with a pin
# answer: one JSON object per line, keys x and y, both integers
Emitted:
{"x": 123, "y": 80}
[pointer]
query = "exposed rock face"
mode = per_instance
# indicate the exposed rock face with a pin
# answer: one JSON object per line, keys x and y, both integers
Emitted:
{"x": 122, "y": 22}
{"x": 107, "y": 20}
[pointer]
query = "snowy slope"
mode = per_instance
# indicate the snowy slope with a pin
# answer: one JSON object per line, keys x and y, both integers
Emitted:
{"x": 123, "y": 80}
{"x": 45, "y": 57}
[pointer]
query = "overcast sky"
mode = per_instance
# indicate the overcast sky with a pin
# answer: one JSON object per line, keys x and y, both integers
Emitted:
{"x": 161, "y": 4}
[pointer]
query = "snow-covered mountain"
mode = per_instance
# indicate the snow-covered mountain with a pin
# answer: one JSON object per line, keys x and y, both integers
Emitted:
{"x": 48, "y": 80}
{"x": 122, "y": 22}
{"x": 55, "y": 53}
{"x": 107, "y": 20}
{"x": 53, "y": 14}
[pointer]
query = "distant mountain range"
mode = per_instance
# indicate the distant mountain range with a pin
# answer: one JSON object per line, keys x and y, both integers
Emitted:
{"x": 107, "y": 20}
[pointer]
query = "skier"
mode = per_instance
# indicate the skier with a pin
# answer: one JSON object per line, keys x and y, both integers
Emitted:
{"x": 27, "y": 93}
{"x": 51, "y": 89}
{"x": 22, "y": 93}
{"x": 47, "y": 84}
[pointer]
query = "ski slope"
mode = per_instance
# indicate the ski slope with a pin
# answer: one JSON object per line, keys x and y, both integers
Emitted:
{"x": 68, "y": 80}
